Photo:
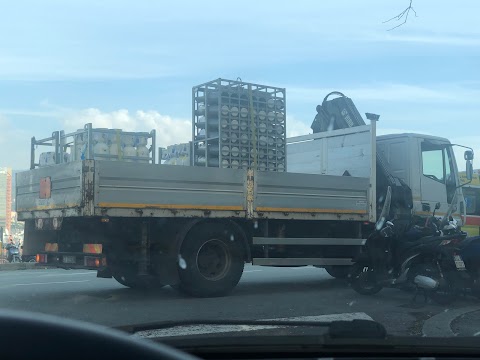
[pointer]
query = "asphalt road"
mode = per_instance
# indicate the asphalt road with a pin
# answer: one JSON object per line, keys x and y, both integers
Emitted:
{"x": 263, "y": 293}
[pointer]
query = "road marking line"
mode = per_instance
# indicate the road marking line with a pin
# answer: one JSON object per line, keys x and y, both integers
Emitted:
{"x": 19, "y": 272}
{"x": 249, "y": 271}
{"x": 51, "y": 283}
{"x": 70, "y": 274}
{"x": 210, "y": 329}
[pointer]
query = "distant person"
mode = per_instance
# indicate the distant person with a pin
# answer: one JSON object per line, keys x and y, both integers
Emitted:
{"x": 10, "y": 242}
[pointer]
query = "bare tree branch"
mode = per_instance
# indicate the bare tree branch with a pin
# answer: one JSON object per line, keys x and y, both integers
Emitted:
{"x": 402, "y": 16}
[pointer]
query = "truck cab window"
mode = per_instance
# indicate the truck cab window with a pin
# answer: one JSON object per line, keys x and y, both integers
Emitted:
{"x": 438, "y": 165}
{"x": 433, "y": 163}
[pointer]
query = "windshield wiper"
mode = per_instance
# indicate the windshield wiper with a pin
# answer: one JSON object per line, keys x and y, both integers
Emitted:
{"x": 359, "y": 329}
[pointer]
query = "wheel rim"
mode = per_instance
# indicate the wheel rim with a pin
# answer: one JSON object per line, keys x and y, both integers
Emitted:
{"x": 213, "y": 260}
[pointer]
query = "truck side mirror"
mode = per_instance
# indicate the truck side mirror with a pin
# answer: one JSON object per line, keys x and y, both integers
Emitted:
{"x": 469, "y": 171}
{"x": 468, "y": 155}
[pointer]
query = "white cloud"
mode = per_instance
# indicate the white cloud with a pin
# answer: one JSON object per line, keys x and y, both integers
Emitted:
{"x": 15, "y": 145}
{"x": 387, "y": 131}
{"x": 439, "y": 40}
{"x": 455, "y": 93}
{"x": 169, "y": 130}
{"x": 297, "y": 127}
{"x": 471, "y": 141}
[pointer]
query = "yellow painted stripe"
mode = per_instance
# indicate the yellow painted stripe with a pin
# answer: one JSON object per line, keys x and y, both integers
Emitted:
{"x": 307, "y": 210}
{"x": 170, "y": 206}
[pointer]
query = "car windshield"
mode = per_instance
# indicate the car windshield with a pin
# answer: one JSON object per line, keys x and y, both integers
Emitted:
{"x": 229, "y": 161}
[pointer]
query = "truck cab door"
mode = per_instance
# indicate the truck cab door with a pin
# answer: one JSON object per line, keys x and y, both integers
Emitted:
{"x": 438, "y": 180}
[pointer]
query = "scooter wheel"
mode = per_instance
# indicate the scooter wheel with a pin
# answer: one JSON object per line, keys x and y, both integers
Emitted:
{"x": 362, "y": 280}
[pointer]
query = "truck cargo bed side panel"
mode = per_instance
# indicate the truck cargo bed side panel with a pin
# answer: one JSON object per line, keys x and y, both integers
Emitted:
{"x": 333, "y": 153}
{"x": 121, "y": 185}
{"x": 304, "y": 194}
{"x": 65, "y": 189}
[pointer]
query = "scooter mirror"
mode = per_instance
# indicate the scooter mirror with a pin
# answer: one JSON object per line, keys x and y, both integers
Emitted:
{"x": 437, "y": 206}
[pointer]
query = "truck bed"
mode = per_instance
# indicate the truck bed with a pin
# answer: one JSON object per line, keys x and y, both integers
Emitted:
{"x": 127, "y": 189}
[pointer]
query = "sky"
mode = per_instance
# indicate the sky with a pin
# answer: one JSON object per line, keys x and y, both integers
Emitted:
{"x": 132, "y": 64}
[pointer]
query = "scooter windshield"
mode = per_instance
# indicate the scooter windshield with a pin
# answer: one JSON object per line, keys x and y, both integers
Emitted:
{"x": 385, "y": 211}
{"x": 451, "y": 209}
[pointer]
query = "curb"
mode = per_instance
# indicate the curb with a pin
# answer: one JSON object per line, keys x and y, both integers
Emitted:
{"x": 439, "y": 325}
{"x": 20, "y": 266}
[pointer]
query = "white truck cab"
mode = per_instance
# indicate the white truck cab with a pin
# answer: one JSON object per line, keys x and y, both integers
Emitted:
{"x": 427, "y": 165}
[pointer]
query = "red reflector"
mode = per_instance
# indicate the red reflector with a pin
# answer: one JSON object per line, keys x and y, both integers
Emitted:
{"x": 41, "y": 258}
{"x": 93, "y": 261}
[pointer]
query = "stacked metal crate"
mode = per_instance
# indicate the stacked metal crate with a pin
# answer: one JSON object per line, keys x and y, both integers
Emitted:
{"x": 239, "y": 125}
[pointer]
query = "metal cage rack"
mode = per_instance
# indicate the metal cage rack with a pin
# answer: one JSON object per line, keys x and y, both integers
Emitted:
{"x": 79, "y": 145}
{"x": 239, "y": 125}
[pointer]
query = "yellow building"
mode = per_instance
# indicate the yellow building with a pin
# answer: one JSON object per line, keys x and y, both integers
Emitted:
{"x": 471, "y": 192}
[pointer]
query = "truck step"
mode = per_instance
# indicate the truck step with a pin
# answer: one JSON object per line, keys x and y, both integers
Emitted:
{"x": 302, "y": 261}
{"x": 308, "y": 241}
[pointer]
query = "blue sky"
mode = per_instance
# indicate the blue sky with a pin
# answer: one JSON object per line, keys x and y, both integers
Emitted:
{"x": 132, "y": 64}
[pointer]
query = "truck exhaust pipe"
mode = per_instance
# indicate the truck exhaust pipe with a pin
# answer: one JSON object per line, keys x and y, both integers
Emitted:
{"x": 425, "y": 282}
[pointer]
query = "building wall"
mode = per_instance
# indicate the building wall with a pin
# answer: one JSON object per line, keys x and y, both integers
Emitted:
{"x": 6, "y": 198}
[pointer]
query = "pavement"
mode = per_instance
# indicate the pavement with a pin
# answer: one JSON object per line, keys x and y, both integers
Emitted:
{"x": 263, "y": 293}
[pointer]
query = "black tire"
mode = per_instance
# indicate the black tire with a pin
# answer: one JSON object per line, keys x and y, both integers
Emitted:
{"x": 338, "y": 272}
{"x": 127, "y": 276}
{"x": 362, "y": 280}
{"x": 210, "y": 263}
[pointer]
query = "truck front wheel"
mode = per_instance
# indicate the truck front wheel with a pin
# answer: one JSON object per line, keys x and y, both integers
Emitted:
{"x": 211, "y": 261}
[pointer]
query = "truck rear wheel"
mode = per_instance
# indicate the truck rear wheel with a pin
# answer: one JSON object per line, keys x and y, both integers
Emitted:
{"x": 211, "y": 261}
